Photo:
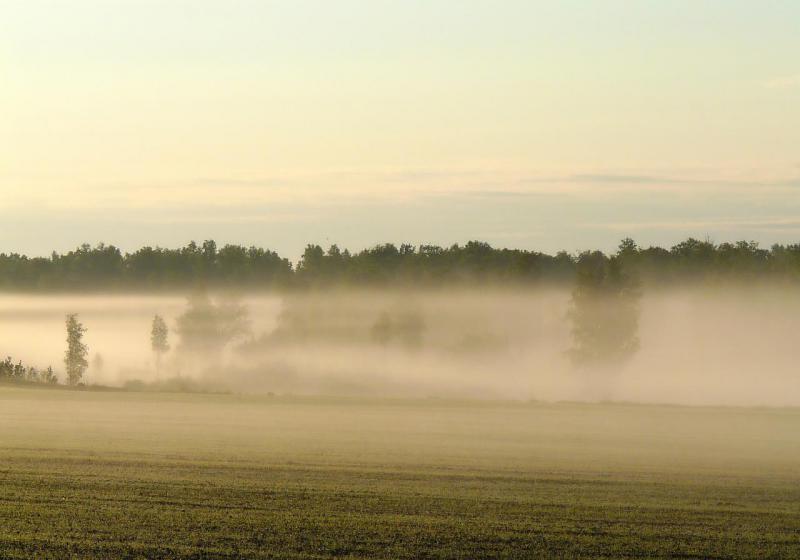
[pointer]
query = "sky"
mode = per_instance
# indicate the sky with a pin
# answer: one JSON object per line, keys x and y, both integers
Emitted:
{"x": 524, "y": 123}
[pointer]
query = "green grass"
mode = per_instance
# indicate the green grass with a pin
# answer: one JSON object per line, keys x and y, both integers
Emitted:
{"x": 127, "y": 475}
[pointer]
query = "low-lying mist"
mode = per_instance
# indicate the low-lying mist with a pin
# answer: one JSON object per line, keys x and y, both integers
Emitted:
{"x": 697, "y": 346}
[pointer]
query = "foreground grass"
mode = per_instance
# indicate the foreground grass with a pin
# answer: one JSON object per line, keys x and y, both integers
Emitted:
{"x": 123, "y": 475}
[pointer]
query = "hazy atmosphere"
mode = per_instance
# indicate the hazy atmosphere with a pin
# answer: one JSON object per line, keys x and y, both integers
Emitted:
{"x": 697, "y": 347}
{"x": 399, "y": 279}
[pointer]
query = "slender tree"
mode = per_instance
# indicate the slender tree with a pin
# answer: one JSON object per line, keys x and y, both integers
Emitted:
{"x": 158, "y": 340}
{"x": 75, "y": 356}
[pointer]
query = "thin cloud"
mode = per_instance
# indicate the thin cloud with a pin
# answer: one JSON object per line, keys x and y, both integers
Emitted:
{"x": 775, "y": 224}
{"x": 408, "y": 187}
{"x": 628, "y": 179}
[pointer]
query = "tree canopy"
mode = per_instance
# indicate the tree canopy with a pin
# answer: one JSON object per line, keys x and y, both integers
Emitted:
{"x": 106, "y": 267}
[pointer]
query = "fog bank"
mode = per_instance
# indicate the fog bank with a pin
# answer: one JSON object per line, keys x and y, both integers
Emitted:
{"x": 700, "y": 346}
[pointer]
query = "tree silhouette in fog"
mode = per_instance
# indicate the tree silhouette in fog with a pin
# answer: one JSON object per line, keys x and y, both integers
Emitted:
{"x": 405, "y": 326}
{"x": 75, "y": 356}
{"x": 205, "y": 328}
{"x": 159, "y": 333}
{"x": 604, "y": 310}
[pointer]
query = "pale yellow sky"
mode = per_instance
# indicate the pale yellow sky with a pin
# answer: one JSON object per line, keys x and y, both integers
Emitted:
{"x": 268, "y": 122}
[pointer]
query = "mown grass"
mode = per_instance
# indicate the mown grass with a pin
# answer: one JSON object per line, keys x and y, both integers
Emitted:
{"x": 124, "y": 475}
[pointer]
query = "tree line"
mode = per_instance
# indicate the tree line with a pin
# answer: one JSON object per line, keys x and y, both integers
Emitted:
{"x": 107, "y": 267}
{"x": 604, "y": 316}
{"x": 604, "y": 308}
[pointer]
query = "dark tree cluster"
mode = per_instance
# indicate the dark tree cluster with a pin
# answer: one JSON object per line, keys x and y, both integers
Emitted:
{"x": 19, "y": 373}
{"x": 386, "y": 264}
{"x": 694, "y": 260}
{"x": 477, "y": 262}
{"x": 106, "y": 267}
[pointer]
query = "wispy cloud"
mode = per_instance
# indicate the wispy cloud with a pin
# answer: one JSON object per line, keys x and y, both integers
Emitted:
{"x": 343, "y": 188}
{"x": 727, "y": 224}
{"x": 622, "y": 179}
{"x": 655, "y": 180}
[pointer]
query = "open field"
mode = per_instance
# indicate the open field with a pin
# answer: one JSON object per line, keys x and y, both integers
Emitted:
{"x": 114, "y": 474}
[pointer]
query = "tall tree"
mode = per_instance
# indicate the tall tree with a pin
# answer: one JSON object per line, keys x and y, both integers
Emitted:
{"x": 604, "y": 311}
{"x": 159, "y": 334}
{"x": 75, "y": 356}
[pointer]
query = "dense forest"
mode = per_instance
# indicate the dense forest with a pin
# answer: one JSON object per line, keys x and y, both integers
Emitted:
{"x": 105, "y": 267}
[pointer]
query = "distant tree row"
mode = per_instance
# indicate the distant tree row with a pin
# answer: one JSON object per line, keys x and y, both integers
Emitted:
{"x": 106, "y": 267}
{"x": 477, "y": 262}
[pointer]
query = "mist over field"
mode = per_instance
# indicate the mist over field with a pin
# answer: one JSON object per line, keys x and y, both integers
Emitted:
{"x": 399, "y": 280}
{"x": 698, "y": 346}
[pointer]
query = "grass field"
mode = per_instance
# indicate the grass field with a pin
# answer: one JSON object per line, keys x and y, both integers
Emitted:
{"x": 130, "y": 475}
